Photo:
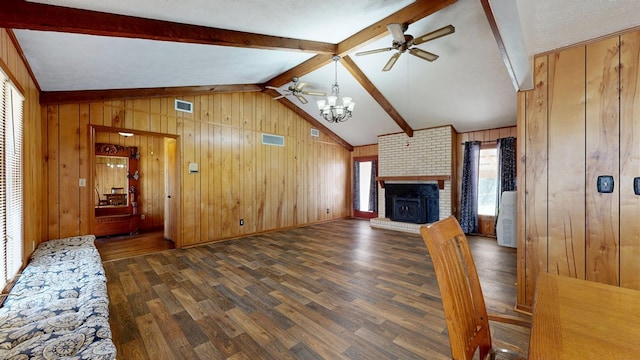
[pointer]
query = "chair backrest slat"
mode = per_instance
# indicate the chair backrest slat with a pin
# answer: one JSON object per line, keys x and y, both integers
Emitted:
{"x": 460, "y": 289}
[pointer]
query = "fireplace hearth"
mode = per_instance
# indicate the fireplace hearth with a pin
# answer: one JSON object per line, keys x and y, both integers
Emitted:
{"x": 412, "y": 203}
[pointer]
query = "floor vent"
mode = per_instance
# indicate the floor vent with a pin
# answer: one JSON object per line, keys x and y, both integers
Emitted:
{"x": 276, "y": 140}
{"x": 184, "y": 106}
{"x": 315, "y": 132}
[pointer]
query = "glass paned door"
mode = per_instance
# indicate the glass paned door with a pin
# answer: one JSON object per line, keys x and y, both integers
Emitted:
{"x": 365, "y": 202}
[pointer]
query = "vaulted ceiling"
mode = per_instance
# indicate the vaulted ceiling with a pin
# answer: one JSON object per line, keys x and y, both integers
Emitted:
{"x": 90, "y": 49}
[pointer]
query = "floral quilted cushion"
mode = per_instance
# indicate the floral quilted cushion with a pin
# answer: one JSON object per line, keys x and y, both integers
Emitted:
{"x": 59, "y": 306}
{"x": 61, "y": 337}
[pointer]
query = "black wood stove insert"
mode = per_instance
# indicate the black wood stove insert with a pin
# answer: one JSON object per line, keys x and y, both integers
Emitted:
{"x": 412, "y": 203}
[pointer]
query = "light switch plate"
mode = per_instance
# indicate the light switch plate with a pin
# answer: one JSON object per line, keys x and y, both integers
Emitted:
{"x": 82, "y": 182}
{"x": 193, "y": 168}
{"x": 605, "y": 184}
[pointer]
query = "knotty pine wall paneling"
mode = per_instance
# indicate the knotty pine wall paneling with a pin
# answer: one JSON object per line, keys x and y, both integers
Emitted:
{"x": 629, "y": 160}
{"x": 566, "y": 163}
{"x": 602, "y": 158}
{"x": 365, "y": 150}
{"x": 35, "y": 229}
{"x": 269, "y": 187}
{"x": 533, "y": 128}
{"x": 584, "y": 112}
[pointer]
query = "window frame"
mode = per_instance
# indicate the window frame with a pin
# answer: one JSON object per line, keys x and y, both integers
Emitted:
{"x": 12, "y": 182}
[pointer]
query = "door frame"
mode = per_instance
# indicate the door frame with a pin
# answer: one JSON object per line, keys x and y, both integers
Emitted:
{"x": 365, "y": 214}
{"x": 93, "y": 129}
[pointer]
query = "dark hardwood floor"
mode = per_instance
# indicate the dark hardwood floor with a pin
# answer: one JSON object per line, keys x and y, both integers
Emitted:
{"x": 124, "y": 246}
{"x": 338, "y": 290}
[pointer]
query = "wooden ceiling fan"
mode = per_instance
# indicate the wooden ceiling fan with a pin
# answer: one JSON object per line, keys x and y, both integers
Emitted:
{"x": 296, "y": 89}
{"x": 404, "y": 42}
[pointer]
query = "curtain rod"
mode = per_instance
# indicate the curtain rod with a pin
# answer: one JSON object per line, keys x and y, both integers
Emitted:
{"x": 483, "y": 142}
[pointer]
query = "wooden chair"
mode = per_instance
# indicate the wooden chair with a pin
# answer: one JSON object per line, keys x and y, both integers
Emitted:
{"x": 101, "y": 202}
{"x": 464, "y": 306}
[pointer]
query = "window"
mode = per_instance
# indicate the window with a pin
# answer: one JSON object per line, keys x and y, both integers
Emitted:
{"x": 487, "y": 181}
{"x": 10, "y": 181}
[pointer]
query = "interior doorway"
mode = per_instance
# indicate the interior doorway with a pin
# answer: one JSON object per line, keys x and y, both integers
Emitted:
{"x": 156, "y": 194}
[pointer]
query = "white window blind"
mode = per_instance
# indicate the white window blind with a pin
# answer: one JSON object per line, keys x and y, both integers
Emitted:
{"x": 3, "y": 185}
{"x": 11, "y": 183}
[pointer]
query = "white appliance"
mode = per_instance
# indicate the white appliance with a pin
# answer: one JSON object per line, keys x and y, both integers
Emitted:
{"x": 507, "y": 220}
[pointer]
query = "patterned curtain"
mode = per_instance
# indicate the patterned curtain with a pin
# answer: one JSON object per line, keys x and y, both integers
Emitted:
{"x": 469, "y": 203}
{"x": 373, "y": 189}
{"x": 356, "y": 185}
{"x": 506, "y": 168}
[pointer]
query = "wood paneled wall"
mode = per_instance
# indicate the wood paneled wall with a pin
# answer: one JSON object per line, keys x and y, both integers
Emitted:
{"x": 34, "y": 133}
{"x": 270, "y": 187}
{"x": 365, "y": 150}
{"x": 579, "y": 122}
{"x": 486, "y": 223}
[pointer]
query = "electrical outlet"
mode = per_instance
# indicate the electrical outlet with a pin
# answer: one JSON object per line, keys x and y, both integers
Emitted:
{"x": 241, "y": 222}
{"x": 327, "y": 210}
{"x": 142, "y": 216}
{"x": 605, "y": 184}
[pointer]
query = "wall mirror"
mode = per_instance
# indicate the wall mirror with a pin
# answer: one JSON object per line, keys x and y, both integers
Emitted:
{"x": 110, "y": 181}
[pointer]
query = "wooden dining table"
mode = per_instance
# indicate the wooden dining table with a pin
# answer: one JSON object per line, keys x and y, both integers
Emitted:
{"x": 579, "y": 319}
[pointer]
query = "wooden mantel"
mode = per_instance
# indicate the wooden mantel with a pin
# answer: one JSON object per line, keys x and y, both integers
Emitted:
{"x": 439, "y": 178}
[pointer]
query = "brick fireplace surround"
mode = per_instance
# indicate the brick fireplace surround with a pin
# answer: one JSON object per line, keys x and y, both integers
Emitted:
{"x": 428, "y": 153}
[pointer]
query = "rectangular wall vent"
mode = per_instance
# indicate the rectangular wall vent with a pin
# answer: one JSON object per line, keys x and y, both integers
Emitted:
{"x": 315, "y": 132}
{"x": 276, "y": 140}
{"x": 184, "y": 106}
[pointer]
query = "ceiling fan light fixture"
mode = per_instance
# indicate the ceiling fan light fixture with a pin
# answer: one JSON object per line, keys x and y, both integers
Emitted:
{"x": 403, "y": 42}
{"x": 330, "y": 109}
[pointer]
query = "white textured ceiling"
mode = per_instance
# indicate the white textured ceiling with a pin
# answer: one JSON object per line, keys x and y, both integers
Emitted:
{"x": 468, "y": 86}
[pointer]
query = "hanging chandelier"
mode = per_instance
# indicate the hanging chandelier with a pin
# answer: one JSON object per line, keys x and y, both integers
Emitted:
{"x": 330, "y": 109}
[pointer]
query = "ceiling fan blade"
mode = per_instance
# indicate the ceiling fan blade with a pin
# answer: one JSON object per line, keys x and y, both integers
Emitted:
{"x": 373, "y": 51}
{"x": 302, "y": 99}
{"x": 279, "y": 97}
{"x": 314, "y": 93}
{"x": 300, "y": 85}
{"x": 423, "y": 54}
{"x": 449, "y": 29}
{"x": 396, "y": 32}
{"x": 391, "y": 62}
{"x": 272, "y": 87}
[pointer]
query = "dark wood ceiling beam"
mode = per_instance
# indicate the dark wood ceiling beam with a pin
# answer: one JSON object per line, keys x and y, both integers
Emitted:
{"x": 34, "y": 16}
{"x": 410, "y": 14}
{"x": 496, "y": 33}
{"x": 355, "y": 71}
{"x": 304, "y": 68}
{"x": 80, "y": 96}
{"x": 298, "y": 111}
